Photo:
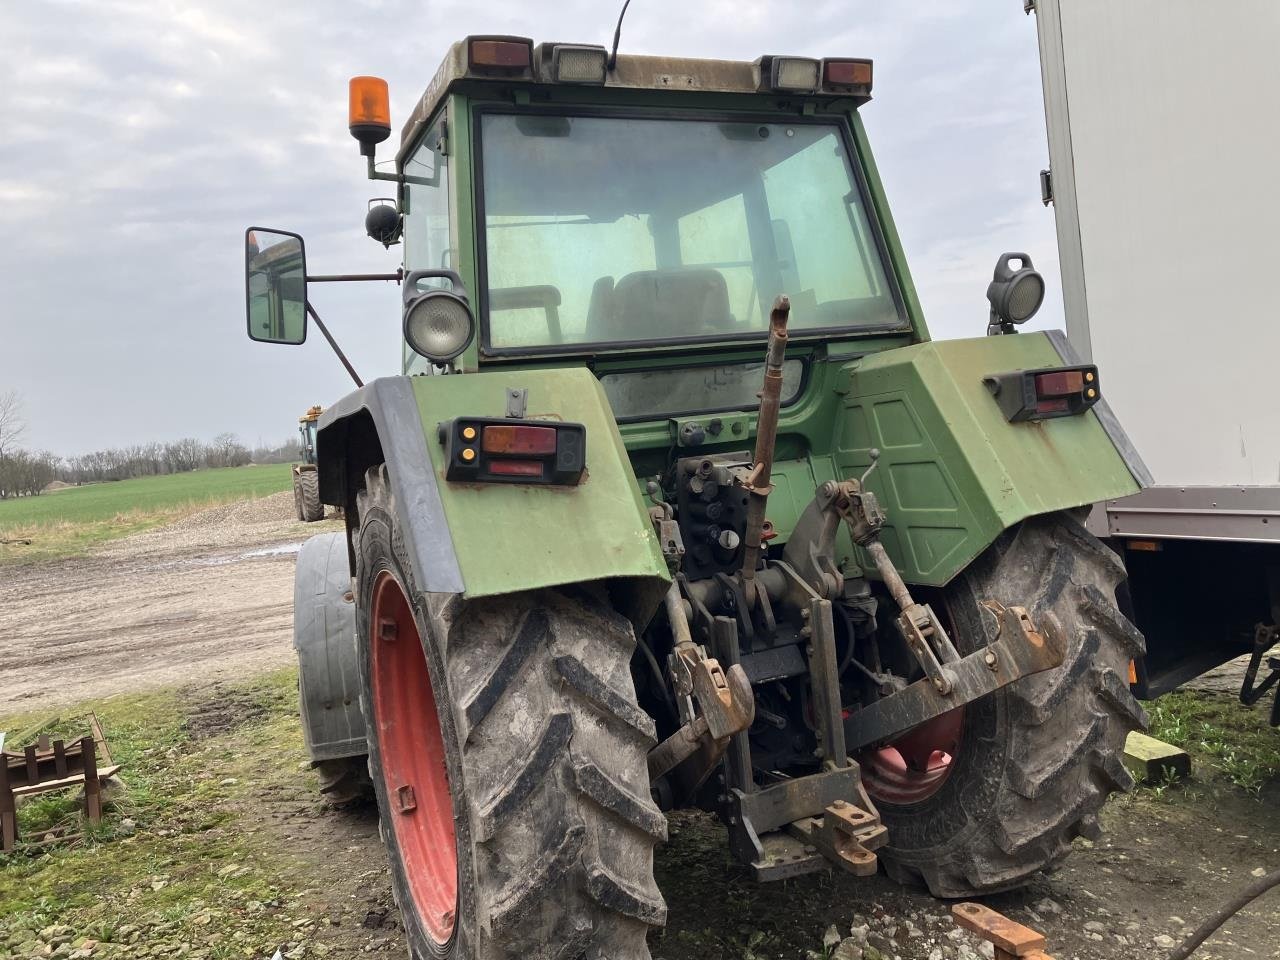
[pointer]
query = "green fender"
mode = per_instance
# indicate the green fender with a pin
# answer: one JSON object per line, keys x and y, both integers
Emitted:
{"x": 486, "y": 539}
{"x": 953, "y": 472}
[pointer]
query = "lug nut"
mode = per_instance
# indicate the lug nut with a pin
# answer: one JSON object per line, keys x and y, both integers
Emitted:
{"x": 406, "y": 799}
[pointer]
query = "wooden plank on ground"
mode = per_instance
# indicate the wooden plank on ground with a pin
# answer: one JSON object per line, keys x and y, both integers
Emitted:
{"x": 71, "y": 781}
{"x": 1154, "y": 761}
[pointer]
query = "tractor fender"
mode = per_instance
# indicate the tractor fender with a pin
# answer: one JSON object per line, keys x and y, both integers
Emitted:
{"x": 324, "y": 635}
{"x": 953, "y": 471}
{"x": 490, "y": 539}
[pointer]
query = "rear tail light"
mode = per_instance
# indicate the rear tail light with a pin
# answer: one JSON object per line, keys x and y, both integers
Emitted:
{"x": 517, "y": 468}
{"x": 501, "y": 56}
{"x": 481, "y": 449}
{"x": 1045, "y": 393}
{"x": 531, "y": 441}
{"x": 853, "y": 76}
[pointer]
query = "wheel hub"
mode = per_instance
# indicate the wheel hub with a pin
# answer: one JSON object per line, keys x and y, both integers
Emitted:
{"x": 916, "y": 765}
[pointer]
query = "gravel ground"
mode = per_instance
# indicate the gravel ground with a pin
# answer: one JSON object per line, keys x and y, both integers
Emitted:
{"x": 209, "y": 596}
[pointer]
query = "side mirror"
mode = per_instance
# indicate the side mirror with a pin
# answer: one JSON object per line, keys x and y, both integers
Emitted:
{"x": 275, "y": 280}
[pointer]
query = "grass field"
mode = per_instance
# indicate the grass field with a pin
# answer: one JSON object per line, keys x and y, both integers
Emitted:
{"x": 170, "y": 870}
{"x": 68, "y": 522}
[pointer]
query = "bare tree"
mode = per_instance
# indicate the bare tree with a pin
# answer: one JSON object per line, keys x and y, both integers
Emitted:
{"x": 12, "y": 423}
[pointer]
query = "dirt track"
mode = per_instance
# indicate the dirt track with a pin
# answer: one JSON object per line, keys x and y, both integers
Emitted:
{"x": 210, "y": 598}
{"x": 206, "y": 598}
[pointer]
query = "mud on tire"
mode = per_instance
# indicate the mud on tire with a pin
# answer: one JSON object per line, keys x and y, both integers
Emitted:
{"x": 546, "y": 757}
{"x": 1037, "y": 759}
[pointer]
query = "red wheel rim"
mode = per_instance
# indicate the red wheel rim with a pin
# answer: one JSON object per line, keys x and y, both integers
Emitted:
{"x": 411, "y": 747}
{"x": 916, "y": 765}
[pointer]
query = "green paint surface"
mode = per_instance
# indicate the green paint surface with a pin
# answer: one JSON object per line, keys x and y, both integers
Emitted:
{"x": 521, "y": 536}
{"x": 953, "y": 473}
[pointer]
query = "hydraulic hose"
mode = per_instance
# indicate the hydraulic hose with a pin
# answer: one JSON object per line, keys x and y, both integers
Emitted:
{"x": 1224, "y": 912}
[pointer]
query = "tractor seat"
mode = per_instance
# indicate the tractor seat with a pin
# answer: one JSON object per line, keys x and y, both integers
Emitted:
{"x": 652, "y": 304}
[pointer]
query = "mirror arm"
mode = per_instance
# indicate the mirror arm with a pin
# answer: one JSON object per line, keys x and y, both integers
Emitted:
{"x": 345, "y": 277}
{"x": 334, "y": 343}
{"x": 376, "y": 174}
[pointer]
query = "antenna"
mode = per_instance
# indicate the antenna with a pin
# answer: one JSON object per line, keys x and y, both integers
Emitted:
{"x": 617, "y": 33}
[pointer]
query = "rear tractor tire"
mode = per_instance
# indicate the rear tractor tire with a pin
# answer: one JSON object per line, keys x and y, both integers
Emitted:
{"x": 508, "y": 757}
{"x": 1030, "y": 765}
{"x": 306, "y": 495}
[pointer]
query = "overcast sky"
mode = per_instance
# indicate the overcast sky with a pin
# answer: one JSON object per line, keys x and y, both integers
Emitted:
{"x": 140, "y": 138}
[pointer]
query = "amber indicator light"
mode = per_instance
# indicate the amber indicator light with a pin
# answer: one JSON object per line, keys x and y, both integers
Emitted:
{"x": 369, "y": 104}
{"x": 1146, "y": 546}
{"x": 847, "y": 73}
{"x": 519, "y": 440}
{"x": 508, "y": 54}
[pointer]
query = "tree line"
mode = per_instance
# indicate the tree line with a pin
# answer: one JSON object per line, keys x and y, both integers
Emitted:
{"x": 27, "y": 473}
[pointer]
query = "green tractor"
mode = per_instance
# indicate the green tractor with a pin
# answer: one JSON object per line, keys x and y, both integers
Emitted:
{"x": 676, "y": 504}
{"x": 306, "y": 481}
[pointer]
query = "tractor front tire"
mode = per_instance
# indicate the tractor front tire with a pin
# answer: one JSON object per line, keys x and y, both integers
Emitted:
{"x": 1036, "y": 760}
{"x": 508, "y": 757}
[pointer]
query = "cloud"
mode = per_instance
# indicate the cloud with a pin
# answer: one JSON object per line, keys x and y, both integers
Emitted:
{"x": 143, "y": 136}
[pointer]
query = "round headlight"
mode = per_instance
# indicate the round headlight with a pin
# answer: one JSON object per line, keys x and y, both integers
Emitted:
{"x": 438, "y": 325}
{"x": 1024, "y": 296}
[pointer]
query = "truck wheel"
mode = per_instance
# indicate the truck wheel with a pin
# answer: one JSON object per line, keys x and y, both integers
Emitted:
{"x": 508, "y": 757}
{"x": 297, "y": 494}
{"x": 982, "y": 798}
{"x": 307, "y": 491}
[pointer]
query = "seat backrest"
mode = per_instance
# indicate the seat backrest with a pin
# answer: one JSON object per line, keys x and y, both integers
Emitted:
{"x": 600, "y": 319}
{"x": 669, "y": 303}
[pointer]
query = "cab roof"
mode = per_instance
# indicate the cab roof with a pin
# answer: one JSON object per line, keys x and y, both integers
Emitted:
{"x": 515, "y": 60}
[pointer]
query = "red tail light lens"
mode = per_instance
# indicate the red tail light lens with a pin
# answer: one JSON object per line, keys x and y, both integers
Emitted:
{"x": 516, "y": 468}
{"x": 530, "y": 441}
{"x": 1061, "y": 383}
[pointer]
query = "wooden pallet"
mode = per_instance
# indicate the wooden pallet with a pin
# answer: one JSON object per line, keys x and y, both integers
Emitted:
{"x": 43, "y": 766}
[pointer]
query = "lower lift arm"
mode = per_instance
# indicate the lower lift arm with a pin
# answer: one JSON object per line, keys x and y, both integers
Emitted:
{"x": 1019, "y": 647}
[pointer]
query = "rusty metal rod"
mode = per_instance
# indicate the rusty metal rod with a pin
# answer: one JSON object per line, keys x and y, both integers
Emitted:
{"x": 766, "y": 436}
{"x": 674, "y": 603}
{"x": 889, "y": 573}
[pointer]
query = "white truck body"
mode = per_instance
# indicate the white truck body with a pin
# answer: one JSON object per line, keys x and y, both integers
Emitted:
{"x": 1163, "y": 121}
